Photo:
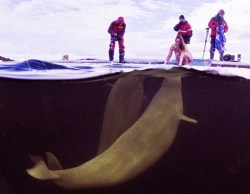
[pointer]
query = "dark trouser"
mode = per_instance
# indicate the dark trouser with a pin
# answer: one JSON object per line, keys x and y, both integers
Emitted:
{"x": 212, "y": 49}
{"x": 121, "y": 56}
{"x": 121, "y": 49}
{"x": 111, "y": 55}
{"x": 186, "y": 38}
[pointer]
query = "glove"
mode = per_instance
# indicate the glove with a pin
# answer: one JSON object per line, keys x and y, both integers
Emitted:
{"x": 114, "y": 37}
{"x": 178, "y": 26}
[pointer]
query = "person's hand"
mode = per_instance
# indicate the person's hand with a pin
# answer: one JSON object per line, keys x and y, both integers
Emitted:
{"x": 118, "y": 37}
{"x": 165, "y": 62}
{"x": 114, "y": 36}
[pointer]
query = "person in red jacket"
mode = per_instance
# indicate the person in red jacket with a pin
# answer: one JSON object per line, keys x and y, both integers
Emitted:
{"x": 117, "y": 30}
{"x": 184, "y": 29}
{"x": 214, "y": 22}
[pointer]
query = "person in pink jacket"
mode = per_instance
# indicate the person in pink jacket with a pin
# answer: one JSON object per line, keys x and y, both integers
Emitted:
{"x": 117, "y": 30}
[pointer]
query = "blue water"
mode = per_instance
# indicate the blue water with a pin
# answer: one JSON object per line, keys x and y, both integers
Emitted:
{"x": 81, "y": 69}
{"x": 37, "y": 69}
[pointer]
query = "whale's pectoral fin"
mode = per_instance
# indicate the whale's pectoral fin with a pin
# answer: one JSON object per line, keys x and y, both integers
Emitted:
{"x": 185, "y": 118}
{"x": 52, "y": 162}
{"x": 40, "y": 169}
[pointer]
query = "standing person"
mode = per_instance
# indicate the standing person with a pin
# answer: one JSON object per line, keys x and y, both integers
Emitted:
{"x": 184, "y": 29}
{"x": 217, "y": 23}
{"x": 117, "y": 31}
{"x": 182, "y": 54}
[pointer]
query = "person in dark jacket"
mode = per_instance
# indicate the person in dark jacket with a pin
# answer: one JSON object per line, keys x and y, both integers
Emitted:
{"x": 117, "y": 30}
{"x": 213, "y": 24}
{"x": 184, "y": 29}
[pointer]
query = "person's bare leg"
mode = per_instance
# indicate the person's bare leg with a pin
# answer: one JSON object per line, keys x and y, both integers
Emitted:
{"x": 181, "y": 58}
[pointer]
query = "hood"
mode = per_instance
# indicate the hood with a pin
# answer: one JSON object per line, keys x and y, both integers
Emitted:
{"x": 120, "y": 20}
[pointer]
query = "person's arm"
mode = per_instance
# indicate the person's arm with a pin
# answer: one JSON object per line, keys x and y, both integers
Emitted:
{"x": 184, "y": 46}
{"x": 169, "y": 55}
{"x": 211, "y": 24}
{"x": 111, "y": 28}
{"x": 225, "y": 27}
{"x": 189, "y": 30}
{"x": 184, "y": 51}
{"x": 181, "y": 57}
{"x": 177, "y": 27}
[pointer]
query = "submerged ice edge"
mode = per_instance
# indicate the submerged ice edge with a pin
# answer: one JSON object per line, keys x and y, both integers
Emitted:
{"x": 44, "y": 70}
{"x": 72, "y": 74}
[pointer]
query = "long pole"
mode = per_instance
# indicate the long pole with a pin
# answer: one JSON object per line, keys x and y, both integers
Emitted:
{"x": 207, "y": 29}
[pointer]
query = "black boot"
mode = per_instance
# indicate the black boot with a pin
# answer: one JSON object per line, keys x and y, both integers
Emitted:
{"x": 111, "y": 55}
{"x": 221, "y": 56}
{"x": 211, "y": 55}
{"x": 121, "y": 56}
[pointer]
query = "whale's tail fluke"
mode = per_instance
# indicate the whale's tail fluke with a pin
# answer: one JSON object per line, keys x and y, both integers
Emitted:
{"x": 52, "y": 162}
{"x": 40, "y": 169}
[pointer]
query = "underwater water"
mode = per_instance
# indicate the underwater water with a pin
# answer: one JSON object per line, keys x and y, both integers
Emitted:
{"x": 149, "y": 130}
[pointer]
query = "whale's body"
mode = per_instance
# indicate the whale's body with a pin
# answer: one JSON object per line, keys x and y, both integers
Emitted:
{"x": 134, "y": 151}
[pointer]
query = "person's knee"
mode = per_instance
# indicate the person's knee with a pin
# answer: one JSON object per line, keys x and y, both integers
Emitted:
{"x": 212, "y": 49}
{"x": 121, "y": 47}
{"x": 111, "y": 46}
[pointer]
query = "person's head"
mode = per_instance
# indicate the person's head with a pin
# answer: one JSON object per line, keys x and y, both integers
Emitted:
{"x": 179, "y": 40}
{"x": 120, "y": 20}
{"x": 182, "y": 18}
{"x": 221, "y": 13}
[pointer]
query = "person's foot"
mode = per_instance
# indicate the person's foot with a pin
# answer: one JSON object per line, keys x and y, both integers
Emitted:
{"x": 110, "y": 62}
{"x": 210, "y": 62}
